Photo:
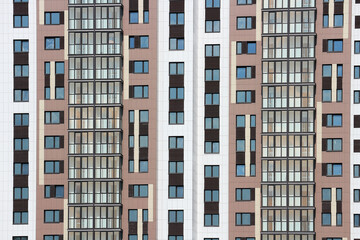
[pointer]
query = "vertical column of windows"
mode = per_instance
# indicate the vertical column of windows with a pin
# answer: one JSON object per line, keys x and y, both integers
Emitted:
{"x": 95, "y": 119}
{"x": 211, "y": 196}
{"x": 176, "y": 25}
{"x": 21, "y": 14}
{"x": 21, "y": 70}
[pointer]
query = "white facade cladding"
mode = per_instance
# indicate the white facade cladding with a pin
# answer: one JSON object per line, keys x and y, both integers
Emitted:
{"x": 8, "y": 107}
{"x": 355, "y": 132}
{"x": 166, "y": 130}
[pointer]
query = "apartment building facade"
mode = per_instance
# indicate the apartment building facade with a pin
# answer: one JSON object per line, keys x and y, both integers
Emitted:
{"x": 180, "y": 119}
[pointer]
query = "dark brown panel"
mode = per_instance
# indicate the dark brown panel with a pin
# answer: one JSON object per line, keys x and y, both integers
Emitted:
{"x": 244, "y": 47}
{"x": 143, "y": 154}
{"x": 212, "y": 62}
{"x": 131, "y": 66}
{"x": 326, "y": 83}
{"x": 325, "y": 45}
{"x": 338, "y": 206}
{"x": 324, "y": 120}
{"x": 357, "y": 1}
{"x": 146, "y": 5}
{"x": 176, "y": 155}
{"x": 325, "y": 8}
{"x": 357, "y": 21}
{"x": 21, "y": 58}
{"x": 61, "y": 17}
{"x": 212, "y": 111}
{"x": 338, "y": 8}
{"x": 61, "y": 167}
{"x": 61, "y": 141}
{"x": 356, "y": 145}
{"x": 253, "y": 95}
{"x": 176, "y": 31}
{"x": 176, "y": 105}
{"x": 324, "y": 144}
{"x": 131, "y": 91}
{"x": 252, "y": 193}
{"x": 131, "y": 129}
{"x": 133, "y": 5}
{"x": 21, "y": 8}
{"x": 211, "y": 208}
{"x": 240, "y": 158}
{"x": 143, "y": 129}
{"x": 176, "y": 229}
{"x": 212, "y": 87}
{"x": 252, "y": 157}
{"x": 131, "y": 190}
{"x": 211, "y": 135}
{"x": 176, "y": 80}
{"x": 326, "y": 207}
{"x": 21, "y": 132}
{"x": 137, "y": 41}
{"x": 176, "y": 179}
{"x": 132, "y": 227}
{"x": 240, "y": 133}
{"x": 339, "y": 83}
{"x": 253, "y": 133}
{"x": 211, "y": 183}
{"x": 323, "y": 169}
{"x": 356, "y": 121}
{"x": 20, "y": 181}
{"x": 21, "y": 83}
{"x": 131, "y": 153}
{"x": 61, "y": 42}
{"x": 20, "y": 205}
{"x": 252, "y": 218}
{"x": 253, "y": 71}
{"x": 145, "y": 227}
{"x": 61, "y": 216}
{"x": 59, "y": 80}
{"x": 21, "y": 156}
{"x": 212, "y": 14}
{"x": 253, "y": 22}
{"x": 61, "y": 116}
{"x": 177, "y": 6}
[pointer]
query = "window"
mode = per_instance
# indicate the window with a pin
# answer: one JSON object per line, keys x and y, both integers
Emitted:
{"x": 176, "y": 142}
{"x": 52, "y": 142}
{"x": 134, "y": 17}
{"x": 131, "y": 116}
{"x": 176, "y": 237}
{"x": 334, "y": 45}
{"x": 245, "y": 96}
{"x": 21, "y": 144}
{"x": 21, "y": 70}
{"x": 356, "y": 220}
{"x": 212, "y": 74}
{"x": 334, "y": 145}
{"x": 146, "y": 17}
{"x": 21, "y": 46}
{"x": 138, "y": 42}
{"x": 133, "y": 237}
{"x": 52, "y": 216}
{"x": 212, "y": 147}
{"x": 21, "y": 95}
{"x": 212, "y": 123}
{"x": 326, "y": 70}
{"x": 52, "y": 18}
{"x": 176, "y": 117}
{"x": 141, "y": 66}
{"x": 21, "y": 21}
{"x": 339, "y": 194}
{"x": 244, "y": 72}
{"x": 133, "y": 215}
{"x": 243, "y": 219}
{"x": 252, "y": 120}
{"x": 356, "y": 171}
{"x": 240, "y": 170}
{"x": 176, "y": 216}
{"x": 143, "y": 143}
{"x": 211, "y": 195}
{"x": 333, "y": 120}
{"x": 176, "y": 18}
{"x": 212, "y": 50}
{"x": 52, "y": 167}
{"x": 245, "y": 23}
{"x": 326, "y": 219}
{"x": 357, "y": 72}
{"x": 339, "y": 72}
{"x": 334, "y": 169}
{"x": 357, "y": 47}
{"x": 131, "y": 166}
{"x": 140, "y": 190}
{"x": 176, "y": 44}
{"x": 22, "y": 238}
{"x": 326, "y": 194}
{"x": 53, "y": 237}
{"x": 176, "y": 68}
{"x": 21, "y": 193}
{"x": 131, "y": 141}
{"x": 243, "y": 194}
{"x": 325, "y": 20}
{"x": 326, "y": 95}
{"x": 16, "y": 1}
{"x": 240, "y": 145}
{"x": 176, "y": 93}
{"x": 141, "y": 91}
{"x": 176, "y": 167}
{"x": 356, "y": 96}
{"x": 176, "y": 191}
{"x": 52, "y": 117}
{"x": 240, "y": 121}
{"x": 212, "y": 99}
{"x": 211, "y": 171}
{"x": 338, "y": 20}
{"x": 245, "y": 47}
{"x": 244, "y": 2}
{"x": 21, "y": 169}
{"x": 212, "y": 26}
{"x": 21, "y": 119}
{"x": 212, "y": 3}
{"x": 248, "y": 238}
{"x": 356, "y": 195}
{"x": 144, "y": 116}
{"x": 59, "y": 68}
{"x": 338, "y": 219}
{"x": 20, "y": 217}
{"x": 211, "y": 220}
{"x": 52, "y": 43}
{"x": 52, "y": 191}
